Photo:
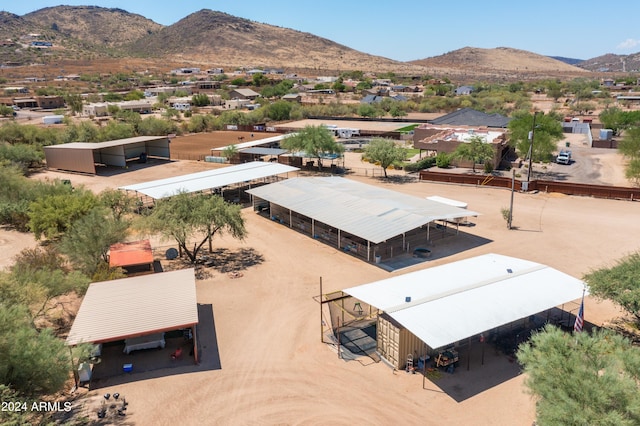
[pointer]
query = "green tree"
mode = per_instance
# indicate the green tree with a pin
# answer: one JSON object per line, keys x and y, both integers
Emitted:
{"x": 200, "y": 99}
{"x": 548, "y": 131}
{"x": 384, "y": 151}
{"x": 230, "y": 152}
{"x": 87, "y": 242}
{"x": 52, "y": 215}
{"x": 582, "y": 379}
{"x": 476, "y": 150}
{"x": 315, "y": 141}
{"x": 6, "y": 111}
{"x": 367, "y": 110}
{"x": 74, "y": 102}
{"x": 185, "y": 217}
{"x": 619, "y": 283}
{"x": 32, "y": 362}
{"x": 279, "y": 111}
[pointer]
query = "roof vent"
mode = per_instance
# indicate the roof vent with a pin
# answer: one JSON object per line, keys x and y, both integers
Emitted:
{"x": 509, "y": 271}
{"x": 407, "y": 299}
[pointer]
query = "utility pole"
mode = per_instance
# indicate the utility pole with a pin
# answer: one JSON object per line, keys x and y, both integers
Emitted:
{"x": 531, "y": 136}
{"x": 513, "y": 187}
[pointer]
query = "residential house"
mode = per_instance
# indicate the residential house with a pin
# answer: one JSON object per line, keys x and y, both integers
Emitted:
{"x": 292, "y": 97}
{"x": 243, "y": 94}
{"x": 442, "y": 138}
{"x": 464, "y": 90}
{"x": 50, "y": 102}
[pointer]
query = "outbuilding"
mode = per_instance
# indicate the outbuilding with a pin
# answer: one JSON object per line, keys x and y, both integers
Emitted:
{"x": 424, "y": 311}
{"x": 84, "y": 156}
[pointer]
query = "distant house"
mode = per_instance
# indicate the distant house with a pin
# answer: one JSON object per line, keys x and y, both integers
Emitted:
{"x": 215, "y": 71}
{"x": 206, "y": 85}
{"x": 292, "y": 97}
{"x": 243, "y": 94}
{"x": 50, "y": 102}
{"x": 464, "y": 90}
{"x": 256, "y": 71}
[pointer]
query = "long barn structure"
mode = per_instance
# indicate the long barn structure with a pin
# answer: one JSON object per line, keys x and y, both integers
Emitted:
{"x": 82, "y": 157}
{"x": 371, "y": 223}
{"x": 216, "y": 181}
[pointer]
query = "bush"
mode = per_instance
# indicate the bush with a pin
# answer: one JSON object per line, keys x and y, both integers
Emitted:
{"x": 425, "y": 163}
{"x": 443, "y": 160}
{"x": 488, "y": 167}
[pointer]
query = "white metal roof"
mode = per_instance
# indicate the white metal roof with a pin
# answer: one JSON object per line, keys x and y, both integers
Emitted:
{"x": 369, "y": 212}
{"x": 106, "y": 144}
{"x": 257, "y": 142}
{"x": 130, "y": 307}
{"x": 448, "y": 201}
{"x": 210, "y": 179}
{"x": 461, "y": 299}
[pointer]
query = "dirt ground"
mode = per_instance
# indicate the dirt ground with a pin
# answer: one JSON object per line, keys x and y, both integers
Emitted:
{"x": 275, "y": 370}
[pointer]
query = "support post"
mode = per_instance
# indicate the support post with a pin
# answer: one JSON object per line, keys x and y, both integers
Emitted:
{"x": 321, "y": 326}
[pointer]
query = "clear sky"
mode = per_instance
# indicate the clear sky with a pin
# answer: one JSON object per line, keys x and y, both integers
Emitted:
{"x": 417, "y": 29}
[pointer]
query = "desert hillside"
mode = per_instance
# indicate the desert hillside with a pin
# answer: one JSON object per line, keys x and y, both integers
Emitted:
{"x": 208, "y": 38}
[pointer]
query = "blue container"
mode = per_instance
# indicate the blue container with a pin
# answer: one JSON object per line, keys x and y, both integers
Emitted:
{"x": 127, "y": 368}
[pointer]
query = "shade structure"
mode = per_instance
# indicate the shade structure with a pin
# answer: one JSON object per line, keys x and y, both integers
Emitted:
{"x": 133, "y": 307}
{"x": 445, "y": 304}
{"x": 210, "y": 179}
{"x": 369, "y": 212}
{"x": 130, "y": 254}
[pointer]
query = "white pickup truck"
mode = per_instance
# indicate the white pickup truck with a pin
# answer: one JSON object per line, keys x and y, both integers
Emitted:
{"x": 564, "y": 157}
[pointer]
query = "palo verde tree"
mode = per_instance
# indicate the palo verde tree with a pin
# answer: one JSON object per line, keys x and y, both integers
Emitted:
{"x": 582, "y": 379}
{"x": 619, "y": 283}
{"x": 315, "y": 142}
{"x": 629, "y": 146}
{"x": 476, "y": 150}
{"x": 548, "y": 131}
{"x": 186, "y": 217}
{"x": 384, "y": 151}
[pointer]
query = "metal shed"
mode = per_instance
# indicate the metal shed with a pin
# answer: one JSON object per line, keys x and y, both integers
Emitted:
{"x": 83, "y": 156}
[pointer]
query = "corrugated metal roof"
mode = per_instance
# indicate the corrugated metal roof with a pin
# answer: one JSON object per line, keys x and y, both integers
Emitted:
{"x": 106, "y": 144}
{"x": 461, "y": 299}
{"x": 263, "y": 151}
{"x": 369, "y": 212}
{"x": 210, "y": 179}
{"x": 257, "y": 142}
{"x": 129, "y": 307}
{"x": 130, "y": 253}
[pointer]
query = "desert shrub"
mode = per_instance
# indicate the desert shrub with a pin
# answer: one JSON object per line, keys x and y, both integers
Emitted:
{"x": 488, "y": 167}
{"x": 443, "y": 160}
{"x": 424, "y": 163}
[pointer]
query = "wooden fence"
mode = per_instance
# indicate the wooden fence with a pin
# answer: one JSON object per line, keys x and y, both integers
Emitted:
{"x": 569, "y": 188}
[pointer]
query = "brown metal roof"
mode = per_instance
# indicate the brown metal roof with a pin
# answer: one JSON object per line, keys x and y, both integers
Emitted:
{"x": 130, "y": 254}
{"x": 130, "y": 307}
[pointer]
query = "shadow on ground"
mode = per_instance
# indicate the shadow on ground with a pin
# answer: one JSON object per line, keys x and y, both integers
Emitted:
{"x": 154, "y": 363}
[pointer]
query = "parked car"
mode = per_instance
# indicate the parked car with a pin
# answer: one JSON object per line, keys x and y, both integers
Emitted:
{"x": 564, "y": 157}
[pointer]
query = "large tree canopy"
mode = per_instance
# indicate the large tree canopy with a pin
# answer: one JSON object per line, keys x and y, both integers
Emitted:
{"x": 315, "y": 141}
{"x": 582, "y": 379}
{"x": 385, "y": 152}
{"x": 619, "y": 283}
{"x": 548, "y": 131}
{"x": 186, "y": 217}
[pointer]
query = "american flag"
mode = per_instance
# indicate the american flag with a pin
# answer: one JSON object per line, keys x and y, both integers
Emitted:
{"x": 577, "y": 326}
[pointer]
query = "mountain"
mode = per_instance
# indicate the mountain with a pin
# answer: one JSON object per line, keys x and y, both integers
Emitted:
{"x": 94, "y": 25}
{"x": 502, "y": 62}
{"x": 570, "y": 61}
{"x": 613, "y": 63}
{"x": 209, "y": 38}
{"x": 215, "y": 37}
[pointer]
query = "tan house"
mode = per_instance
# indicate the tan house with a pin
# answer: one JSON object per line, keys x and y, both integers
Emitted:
{"x": 435, "y": 139}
